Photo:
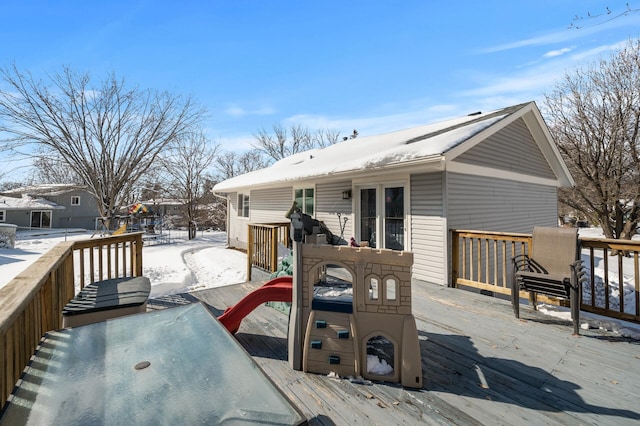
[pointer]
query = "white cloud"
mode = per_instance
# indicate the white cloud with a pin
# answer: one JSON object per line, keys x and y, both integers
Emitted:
{"x": 558, "y": 52}
{"x": 382, "y": 123}
{"x": 531, "y": 81}
{"x": 236, "y": 111}
{"x": 598, "y": 50}
{"x": 558, "y": 36}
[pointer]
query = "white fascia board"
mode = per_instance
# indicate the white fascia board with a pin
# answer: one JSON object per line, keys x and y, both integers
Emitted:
{"x": 470, "y": 169}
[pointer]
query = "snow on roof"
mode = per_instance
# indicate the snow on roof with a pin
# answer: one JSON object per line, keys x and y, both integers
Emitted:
{"x": 27, "y": 202}
{"x": 424, "y": 143}
{"x": 45, "y": 189}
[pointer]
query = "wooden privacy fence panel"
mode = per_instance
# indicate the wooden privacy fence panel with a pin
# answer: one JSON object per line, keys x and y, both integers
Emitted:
{"x": 262, "y": 245}
{"x": 32, "y": 302}
{"x": 482, "y": 260}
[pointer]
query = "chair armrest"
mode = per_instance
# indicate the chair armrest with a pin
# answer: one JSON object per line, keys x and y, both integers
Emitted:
{"x": 520, "y": 262}
{"x": 579, "y": 271}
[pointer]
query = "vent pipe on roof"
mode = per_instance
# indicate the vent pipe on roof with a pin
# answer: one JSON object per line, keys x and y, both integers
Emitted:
{"x": 475, "y": 113}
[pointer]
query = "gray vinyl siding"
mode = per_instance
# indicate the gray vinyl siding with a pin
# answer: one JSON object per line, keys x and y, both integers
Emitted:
{"x": 265, "y": 206}
{"x": 75, "y": 216}
{"x": 428, "y": 228}
{"x": 512, "y": 149}
{"x": 329, "y": 203}
{"x": 270, "y": 205}
{"x": 492, "y": 204}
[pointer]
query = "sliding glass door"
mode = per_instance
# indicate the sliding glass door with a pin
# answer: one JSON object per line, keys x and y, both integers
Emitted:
{"x": 41, "y": 219}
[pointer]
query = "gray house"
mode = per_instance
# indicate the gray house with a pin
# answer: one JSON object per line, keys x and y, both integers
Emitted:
{"x": 28, "y": 212}
{"x": 495, "y": 171}
{"x": 77, "y": 207}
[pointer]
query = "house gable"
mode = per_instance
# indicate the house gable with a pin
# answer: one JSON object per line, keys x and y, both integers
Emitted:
{"x": 512, "y": 149}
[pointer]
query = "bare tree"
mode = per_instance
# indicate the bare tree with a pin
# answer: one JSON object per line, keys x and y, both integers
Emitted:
{"x": 326, "y": 137}
{"x": 283, "y": 142}
{"x": 52, "y": 169}
{"x": 602, "y": 16}
{"x": 230, "y": 164}
{"x": 186, "y": 160}
{"x": 107, "y": 134}
{"x": 594, "y": 117}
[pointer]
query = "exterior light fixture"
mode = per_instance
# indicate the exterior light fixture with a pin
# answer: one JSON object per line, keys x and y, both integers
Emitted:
{"x": 346, "y": 194}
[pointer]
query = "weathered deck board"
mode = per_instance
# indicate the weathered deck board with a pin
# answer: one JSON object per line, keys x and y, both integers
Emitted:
{"x": 480, "y": 366}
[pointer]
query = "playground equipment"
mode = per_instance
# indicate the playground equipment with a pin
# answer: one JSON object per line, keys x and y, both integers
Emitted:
{"x": 275, "y": 290}
{"x": 367, "y": 331}
{"x": 373, "y": 335}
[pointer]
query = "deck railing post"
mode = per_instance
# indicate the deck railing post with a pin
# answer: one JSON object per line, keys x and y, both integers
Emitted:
{"x": 250, "y": 251}
{"x": 455, "y": 258}
{"x": 274, "y": 248}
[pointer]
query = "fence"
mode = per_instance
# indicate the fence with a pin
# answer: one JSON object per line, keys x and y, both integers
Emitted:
{"x": 483, "y": 260}
{"x": 32, "y": 302}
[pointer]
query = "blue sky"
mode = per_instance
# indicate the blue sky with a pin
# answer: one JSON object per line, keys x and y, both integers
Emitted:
{"x": 374, "y": 66}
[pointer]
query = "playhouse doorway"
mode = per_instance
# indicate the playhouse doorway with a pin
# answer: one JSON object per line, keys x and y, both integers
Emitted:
{"x": 381, "y": 354}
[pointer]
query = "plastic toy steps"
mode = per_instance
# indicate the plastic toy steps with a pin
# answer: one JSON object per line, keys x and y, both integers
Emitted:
{"x": 276, "y": 290}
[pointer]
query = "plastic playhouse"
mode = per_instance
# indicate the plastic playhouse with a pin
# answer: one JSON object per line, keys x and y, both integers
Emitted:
{"x": 350, "y": 312}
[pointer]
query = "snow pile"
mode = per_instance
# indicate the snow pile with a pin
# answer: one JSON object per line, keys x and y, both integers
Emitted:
{"x": 378, "y": 366}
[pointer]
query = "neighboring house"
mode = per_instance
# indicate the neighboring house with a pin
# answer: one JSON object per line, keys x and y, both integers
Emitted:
{"x": 28, "y": 212}
{"x": 495, "y": 171}
{"x": 80, "y": 209}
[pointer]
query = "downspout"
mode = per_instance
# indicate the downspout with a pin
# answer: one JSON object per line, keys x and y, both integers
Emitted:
{"x": 447, "y": 276}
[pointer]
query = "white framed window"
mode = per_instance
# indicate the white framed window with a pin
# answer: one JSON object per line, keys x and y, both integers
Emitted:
{"x": 243, "y": 205}
{"x": 3, "y": 215}
{"x": 75, "y": 200}
{"x": 306, "y": 199}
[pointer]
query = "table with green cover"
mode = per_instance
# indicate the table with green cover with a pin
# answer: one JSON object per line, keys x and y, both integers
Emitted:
{"x": 172, "y": 366}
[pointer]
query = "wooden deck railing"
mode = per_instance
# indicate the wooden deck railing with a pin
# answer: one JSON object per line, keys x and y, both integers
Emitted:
{"x": 262, "y": 245}
{"x": 31, "y": 304}
{"x": 483, "y": 260}
{"x": 611, "y": 285}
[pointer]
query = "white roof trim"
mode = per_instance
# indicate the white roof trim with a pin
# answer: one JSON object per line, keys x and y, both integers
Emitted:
{"x": 470, "y": 169}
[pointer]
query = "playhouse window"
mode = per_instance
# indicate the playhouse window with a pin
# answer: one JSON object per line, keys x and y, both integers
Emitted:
{"x": 305, "y": 197}
{"x": 333, "y": 290}
{"x": 380, "y": 356}
{"x": 75, "y": 200}
{"x": 391, "y": 288}
{"x": 374, "y": 288}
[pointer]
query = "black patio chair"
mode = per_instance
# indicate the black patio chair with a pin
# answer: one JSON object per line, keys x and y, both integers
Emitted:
{"x": 552, "y": 267}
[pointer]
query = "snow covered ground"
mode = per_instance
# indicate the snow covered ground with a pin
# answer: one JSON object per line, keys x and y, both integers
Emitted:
{"x": 205, "y": 262}
{"x": 179, "y": 266}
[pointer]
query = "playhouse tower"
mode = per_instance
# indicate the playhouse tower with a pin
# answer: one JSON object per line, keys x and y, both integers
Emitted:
{"x": 354, "y": 337}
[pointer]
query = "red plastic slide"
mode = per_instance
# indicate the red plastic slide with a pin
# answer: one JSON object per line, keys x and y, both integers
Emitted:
{"x": 276, "y": 290}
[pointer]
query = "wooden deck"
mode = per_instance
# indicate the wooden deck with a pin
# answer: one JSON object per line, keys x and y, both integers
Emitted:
{"x": 480, "y": 366}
